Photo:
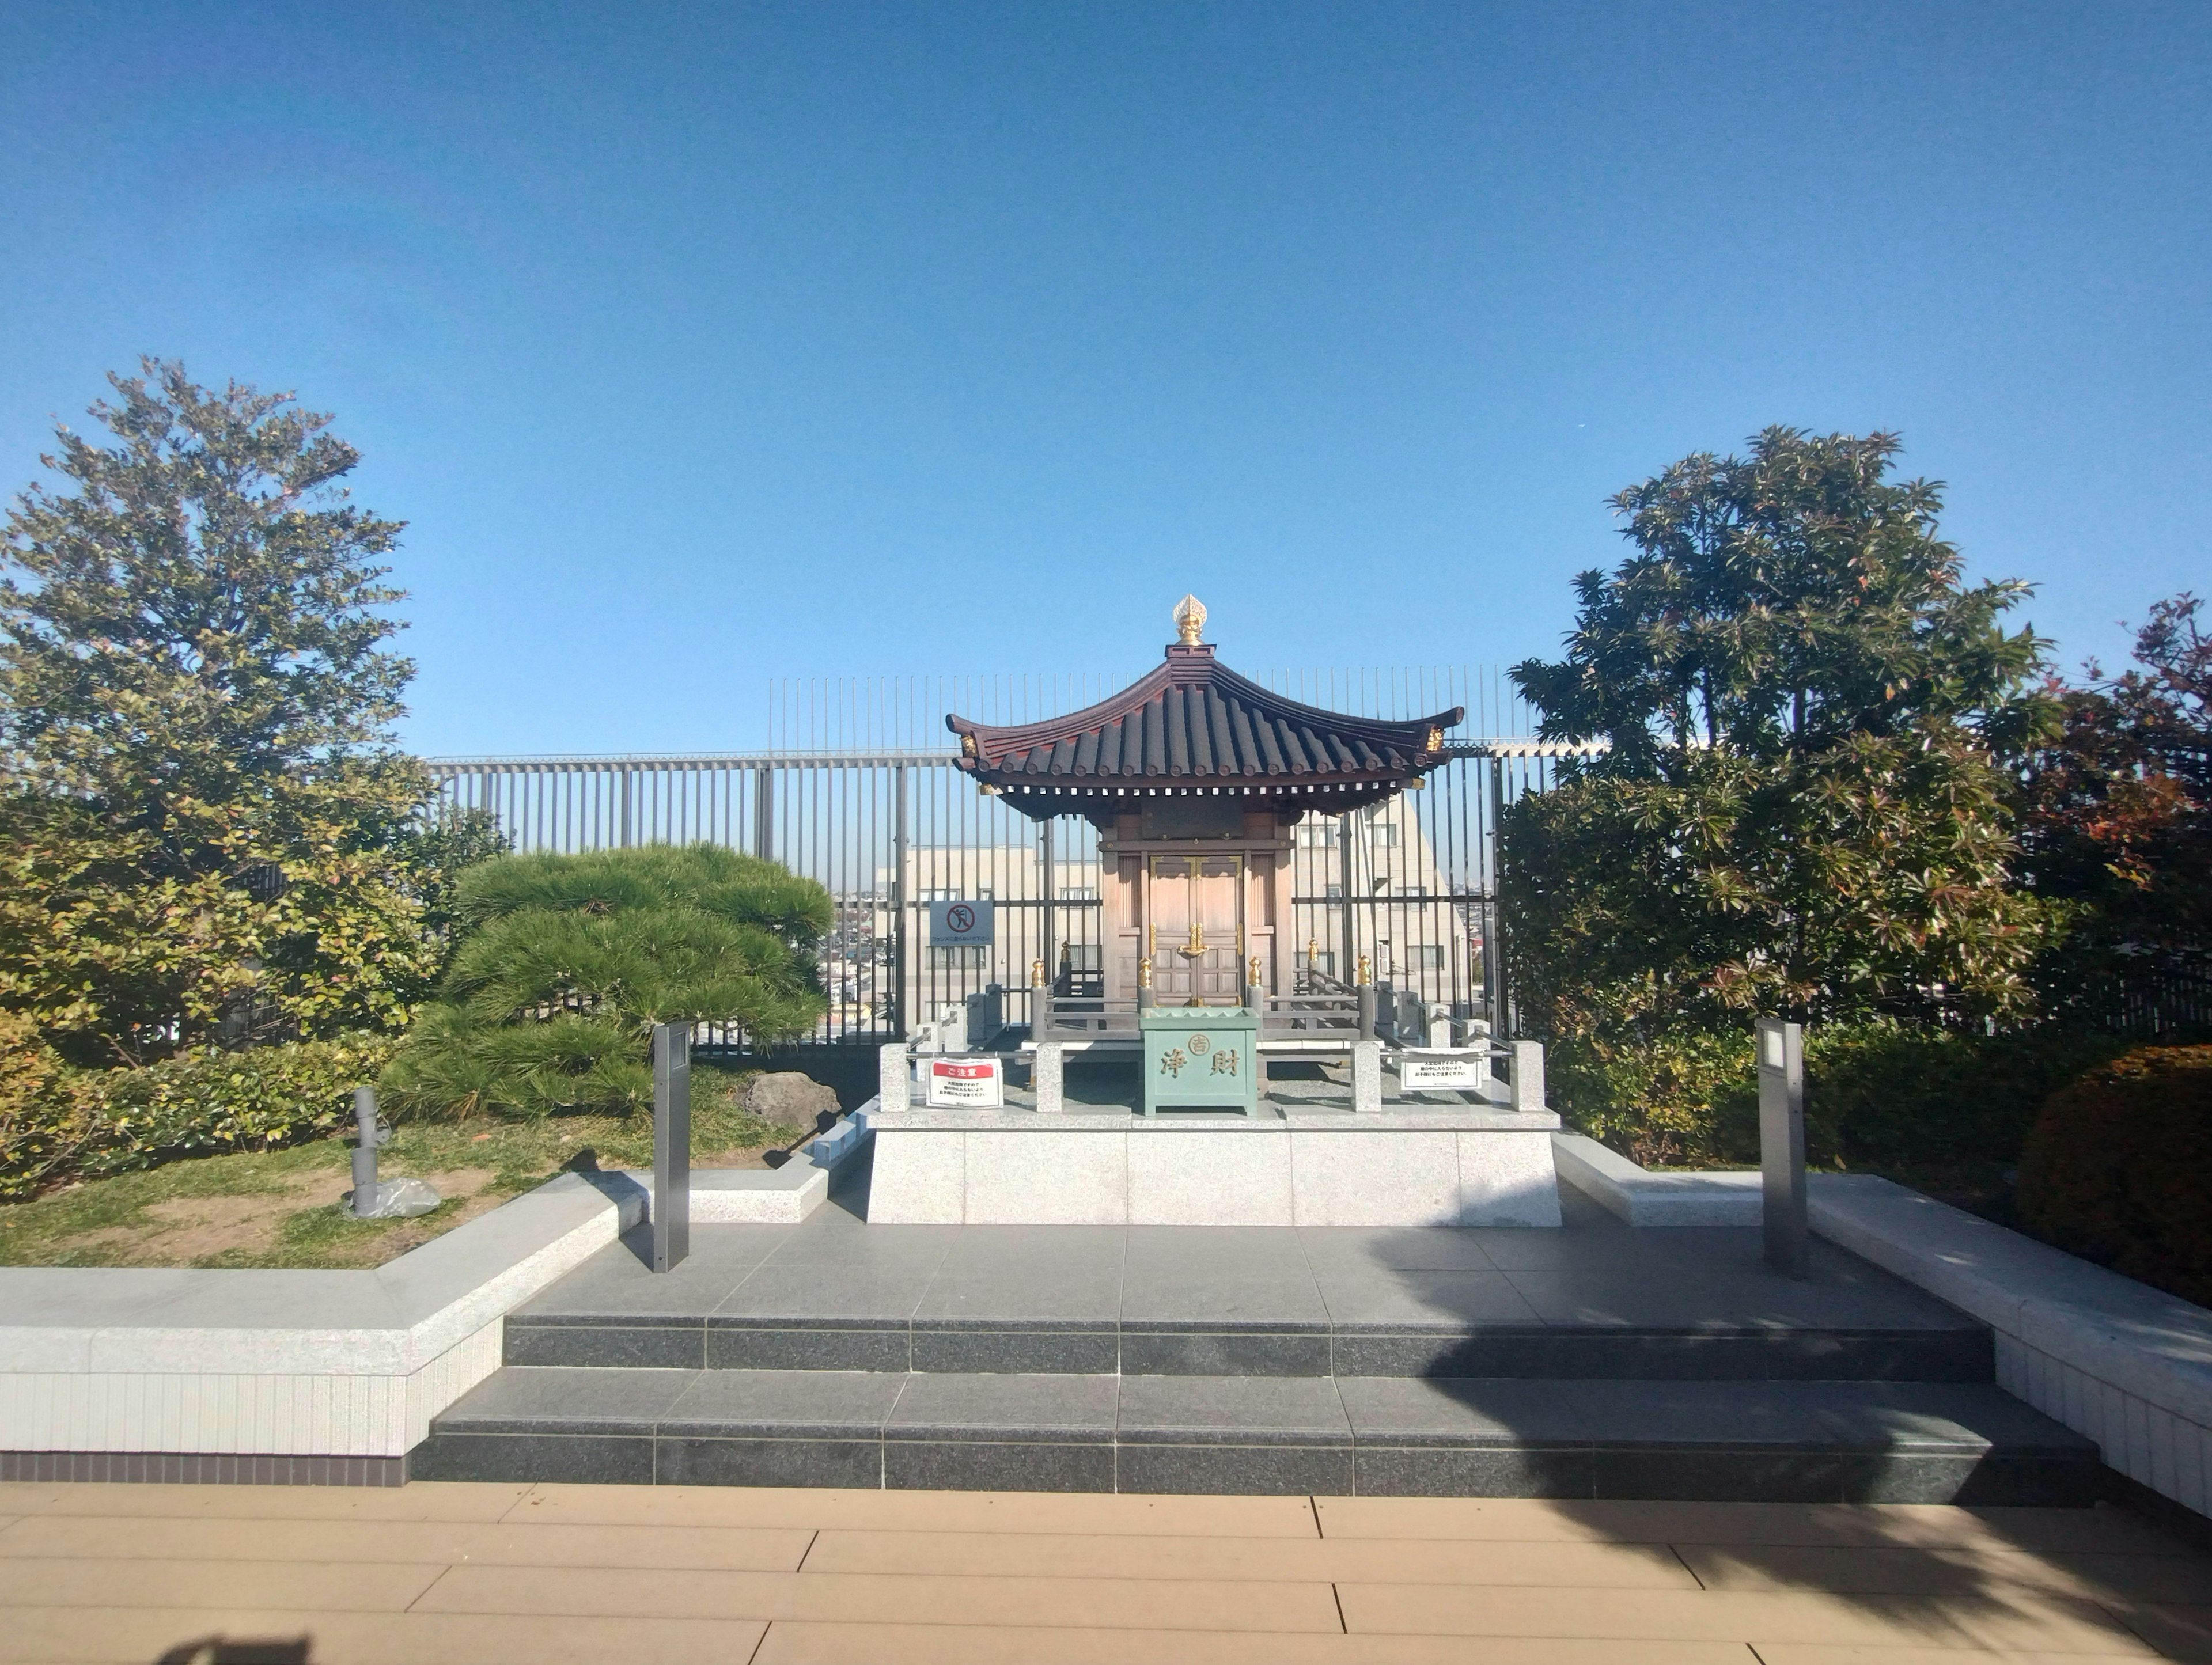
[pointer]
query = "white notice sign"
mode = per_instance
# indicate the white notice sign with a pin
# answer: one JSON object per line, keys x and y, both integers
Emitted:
{"x": 964, "y": 1083}
{"x": 953, "y": 924}
{"x": 1419, "y": 1074}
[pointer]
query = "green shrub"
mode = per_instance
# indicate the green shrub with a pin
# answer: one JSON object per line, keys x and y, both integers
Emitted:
{"x": 567, "y": 961}
{"x": 1655, "y": 1098}
{"x": 57, "y": 1123}
{"x": 2118, "y": 1169}
{"x": 1883, "y": 1095}
{"x": 1877, "y": 1095}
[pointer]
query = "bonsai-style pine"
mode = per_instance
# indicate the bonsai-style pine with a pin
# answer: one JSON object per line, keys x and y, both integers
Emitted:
{"x": 567, "y": 962}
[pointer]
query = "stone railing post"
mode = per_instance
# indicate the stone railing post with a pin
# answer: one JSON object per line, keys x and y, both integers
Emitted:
{"x": 1527, "y": 1084}
{"x": 1051, "y": 1099}
{"x": 894, "y": 1081}
{"x": 1366, "y": 1076}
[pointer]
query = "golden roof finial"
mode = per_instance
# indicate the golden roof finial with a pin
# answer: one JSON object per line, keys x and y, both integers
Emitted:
{"x": 1189, "y": 619}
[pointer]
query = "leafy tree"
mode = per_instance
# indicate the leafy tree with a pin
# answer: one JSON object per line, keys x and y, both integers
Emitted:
{"x": 2119, "y": 823}
{"x": 1804, "y": 809}
{"x": 205, "y": 826}
{"x": 566, "y": 962}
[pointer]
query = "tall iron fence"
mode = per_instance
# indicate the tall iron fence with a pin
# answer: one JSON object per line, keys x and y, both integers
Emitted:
{"x": 857, "y": 791}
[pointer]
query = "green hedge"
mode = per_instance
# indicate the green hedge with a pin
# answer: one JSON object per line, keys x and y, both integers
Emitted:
{"x": 57, "y": 1123}
{"x": 2118, "y": 1169}
{"x": 1876, "y": 1095}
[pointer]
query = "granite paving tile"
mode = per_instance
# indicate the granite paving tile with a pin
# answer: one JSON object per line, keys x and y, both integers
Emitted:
{"x": 1401, "y": 1299}
{"x": 618, "y": 1282}
{"x": 787, "y": 1346}
{"x": 1416, "y": 1411}
{"x": 687, "y": 1460}
{"x": 1249, "y": 1251}
{"x": 1243, "y": 1410}
{"x": 1033, "y": 1465}
{"x": 575, "y": 1459}
{"x": 785, "y": 1404}
{"x": 1030, "y": 1297}
{"x": 1343, "y": 1249}
{"x": 1197, "y": 1352}
{"x": 1888, "y": 1415}
{"x": 1065, "y": 1350}
{"x": 1214, "y": 1298}
{"x": 1232, "y": 1470}
{"x": 830, "y": 1236}
{"x": 537, "y": 1400}
{"x": 605, "y": 1346}
{"x": 1701, "y": 1413}
{"x": 871, "y": 1292}
{"x": 984, "y": 1250}
{"x": 1004, "y": 1408}
{"x": 1474, "y": 1471}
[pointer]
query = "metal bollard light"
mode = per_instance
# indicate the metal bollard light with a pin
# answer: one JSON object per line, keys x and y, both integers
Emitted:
{"x": 364, "y": 1153}
{"x": 1781, "y": 1144}
{"x": 671, "y": 1145}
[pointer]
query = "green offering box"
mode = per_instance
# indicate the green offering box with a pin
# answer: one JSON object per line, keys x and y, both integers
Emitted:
{"x": 1205, "y": 1057}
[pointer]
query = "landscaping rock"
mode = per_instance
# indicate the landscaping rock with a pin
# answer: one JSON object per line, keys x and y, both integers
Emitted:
{"x": 789, "y": 1097}
{"x": 397, "y": 1200}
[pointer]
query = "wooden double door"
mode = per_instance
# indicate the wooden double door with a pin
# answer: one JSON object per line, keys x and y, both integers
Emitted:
{"x": 1194, "y": 909}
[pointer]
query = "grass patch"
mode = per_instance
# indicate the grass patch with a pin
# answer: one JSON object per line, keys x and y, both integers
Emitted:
{"x": 280, "y": 1208}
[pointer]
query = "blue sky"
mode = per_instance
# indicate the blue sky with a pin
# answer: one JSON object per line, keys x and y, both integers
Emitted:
{"x": 702, "y": 346}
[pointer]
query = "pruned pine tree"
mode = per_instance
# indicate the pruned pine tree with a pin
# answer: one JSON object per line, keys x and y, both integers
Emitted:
{"x": 567, "y": 962}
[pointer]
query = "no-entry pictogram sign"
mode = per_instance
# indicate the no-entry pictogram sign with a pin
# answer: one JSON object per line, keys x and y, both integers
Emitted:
{"x": 954, "y": 923}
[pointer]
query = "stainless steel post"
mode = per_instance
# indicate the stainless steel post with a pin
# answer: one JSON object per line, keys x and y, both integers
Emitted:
{"x": 899, "y": 921}
{"x": 1781, "y": 1143}
{"x": 671, "y": 1145}
{"x": 364, "y": 1153}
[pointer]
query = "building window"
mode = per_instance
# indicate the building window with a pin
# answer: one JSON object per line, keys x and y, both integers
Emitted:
{"x": 1384, "y": 835}
{"x": 1079, "y": 893}
{"x": 959, "y": 956}
{"x": 1429, "y": 957}
{"x": 1317, "y": 835}
{"x": 1333, "y": 892}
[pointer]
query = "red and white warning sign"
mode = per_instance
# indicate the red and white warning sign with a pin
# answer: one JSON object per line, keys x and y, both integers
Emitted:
{"x": 964, "y": 1083}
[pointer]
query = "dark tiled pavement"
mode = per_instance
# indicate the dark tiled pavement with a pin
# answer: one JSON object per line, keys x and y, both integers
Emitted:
{"x": 1592, "y": 1299}
{"x": 1794, "y": 1441}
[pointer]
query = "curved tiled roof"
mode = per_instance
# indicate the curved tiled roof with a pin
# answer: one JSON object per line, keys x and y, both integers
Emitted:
{"x": 1195, "y": 720}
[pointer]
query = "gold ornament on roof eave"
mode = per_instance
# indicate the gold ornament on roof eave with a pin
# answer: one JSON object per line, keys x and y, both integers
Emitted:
{"x": 1189, "y": 619}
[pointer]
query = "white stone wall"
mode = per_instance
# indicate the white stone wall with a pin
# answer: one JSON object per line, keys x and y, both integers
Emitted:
{"x": 1016, "y": 1167}
{"x": 310, "y": 1364}
{"x": 2127, "y": 1366}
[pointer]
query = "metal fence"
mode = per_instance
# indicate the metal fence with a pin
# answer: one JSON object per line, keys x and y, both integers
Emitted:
{"x": 858, "y": 790}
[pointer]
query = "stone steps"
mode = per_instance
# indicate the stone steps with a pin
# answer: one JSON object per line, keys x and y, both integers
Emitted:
{"x": 1387, "y": 1435}
{"x": 1263, "y": 1346}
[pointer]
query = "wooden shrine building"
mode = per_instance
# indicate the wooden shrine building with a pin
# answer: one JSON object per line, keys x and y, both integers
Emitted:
{"x": 1194, "y": 777}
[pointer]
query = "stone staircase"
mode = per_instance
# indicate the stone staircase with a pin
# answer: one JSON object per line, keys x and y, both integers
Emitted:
{"x": 1589, "y": 1362}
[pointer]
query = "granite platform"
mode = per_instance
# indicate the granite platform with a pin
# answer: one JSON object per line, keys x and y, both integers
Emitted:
{"x": 1317, "y": 1153}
